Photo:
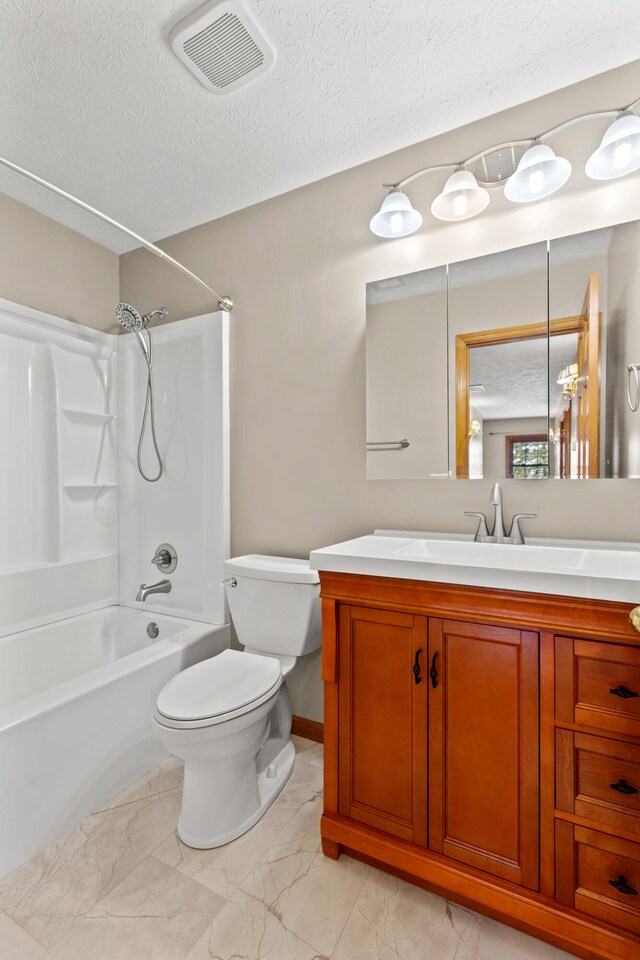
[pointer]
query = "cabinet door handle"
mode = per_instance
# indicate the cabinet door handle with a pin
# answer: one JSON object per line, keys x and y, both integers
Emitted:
{"x": 433, "y": 672}
{"x": 622, "y": 691}
{"x": 416, "y": 667}
{"x": 623, "y": 787}
{"x": 622, "y": 885}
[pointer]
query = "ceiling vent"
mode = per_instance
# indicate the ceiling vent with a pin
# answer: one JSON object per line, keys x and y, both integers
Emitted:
{"x": 222, "y": 45}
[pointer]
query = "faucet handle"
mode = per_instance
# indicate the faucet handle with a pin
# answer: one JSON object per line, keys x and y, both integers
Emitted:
{"x": 165, "y": 558}
{"x": 481, "y": 532}
{"x": 515, "y": 534}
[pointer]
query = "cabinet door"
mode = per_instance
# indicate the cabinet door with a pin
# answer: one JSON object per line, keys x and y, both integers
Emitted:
{"x": 483, "y": 748}
{"x": 382, "y": 720}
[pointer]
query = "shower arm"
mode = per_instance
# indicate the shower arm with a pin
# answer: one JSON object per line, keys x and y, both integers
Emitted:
{"x": 224, "y": 303}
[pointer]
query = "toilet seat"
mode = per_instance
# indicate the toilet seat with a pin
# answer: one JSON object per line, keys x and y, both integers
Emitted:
{"x": 218, "y": 689}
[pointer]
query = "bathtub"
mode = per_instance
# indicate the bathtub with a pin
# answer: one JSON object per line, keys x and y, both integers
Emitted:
{"x": 75, "y": 715}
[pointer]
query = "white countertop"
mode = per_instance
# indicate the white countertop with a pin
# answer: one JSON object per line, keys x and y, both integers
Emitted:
{"x": 599, "y": 570}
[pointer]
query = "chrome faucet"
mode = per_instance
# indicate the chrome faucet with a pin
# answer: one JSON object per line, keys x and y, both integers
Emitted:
{"x": 498, "y": 533}
{"x": 162, "y": 586}
{"x": 495, "y": 500}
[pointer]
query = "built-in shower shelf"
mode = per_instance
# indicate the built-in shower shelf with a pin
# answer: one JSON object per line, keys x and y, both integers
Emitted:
{"x": 86, "y": 489}
{"x": 86, "y": 416}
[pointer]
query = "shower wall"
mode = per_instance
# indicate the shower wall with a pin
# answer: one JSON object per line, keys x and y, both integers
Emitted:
{"x": 58, "y": 492}
{"x": 69, "y": 431}
{"x": 189, "y": 506}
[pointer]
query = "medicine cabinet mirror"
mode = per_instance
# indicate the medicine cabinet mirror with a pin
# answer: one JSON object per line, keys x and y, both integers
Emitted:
{"x": 520, "y": 364}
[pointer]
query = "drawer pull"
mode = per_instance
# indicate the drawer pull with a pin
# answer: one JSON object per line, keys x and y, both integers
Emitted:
{"x": 622, "y": 885}
{"x": 622, "y": 691}
{"x": 623, "y": 787}
{"x": 433, "y": 672}
{"x": 416, "y": 667}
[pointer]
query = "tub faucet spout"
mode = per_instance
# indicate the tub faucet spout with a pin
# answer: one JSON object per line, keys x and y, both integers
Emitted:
{"x": 162, "y": 586}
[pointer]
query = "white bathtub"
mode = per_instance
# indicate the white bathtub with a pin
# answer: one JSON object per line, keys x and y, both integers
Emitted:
{"x": 75, "y": 710}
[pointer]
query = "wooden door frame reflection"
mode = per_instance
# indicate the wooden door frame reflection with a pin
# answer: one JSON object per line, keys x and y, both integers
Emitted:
{"x": 486, "y": 338}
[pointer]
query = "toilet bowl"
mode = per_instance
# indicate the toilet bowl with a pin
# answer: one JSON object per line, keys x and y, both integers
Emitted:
{"x": 229, "y": 718}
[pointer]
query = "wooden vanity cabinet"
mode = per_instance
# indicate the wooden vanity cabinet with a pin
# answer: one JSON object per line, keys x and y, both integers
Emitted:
{"x": 483, "y": 747}
{"x": 382, "y": 763}
{"x": 486, "y": 745}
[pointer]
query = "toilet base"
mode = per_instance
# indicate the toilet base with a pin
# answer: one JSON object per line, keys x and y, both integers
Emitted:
{"x": 269, "y": 782}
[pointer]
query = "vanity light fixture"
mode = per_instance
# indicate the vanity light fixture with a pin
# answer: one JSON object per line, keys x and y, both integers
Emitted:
{"x": 539, "y": 174}
{"x": 619, "y": 152}
{"x": 396, "y": 217}
{"x": 461, "y": 198}
{"x": 528, "y": 170}
{"x": 568, "y": 380}
{"x": 475, "y": 428}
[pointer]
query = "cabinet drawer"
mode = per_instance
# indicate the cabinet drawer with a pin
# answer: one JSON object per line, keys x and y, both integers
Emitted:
{"x": 601, "y": 862}
{"x": 598, "y": 685}
{"x": 599, "y": 779}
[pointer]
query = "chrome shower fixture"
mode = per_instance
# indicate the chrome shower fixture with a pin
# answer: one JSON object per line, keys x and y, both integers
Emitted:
{"x": 134, "y": 322}
{"x": 161, "y": 312}
{"x": 129, "y": 317}
{"x": 131, "y": 320}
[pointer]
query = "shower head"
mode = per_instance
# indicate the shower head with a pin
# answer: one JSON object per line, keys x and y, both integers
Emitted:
{"x": 129, "y": 317}
{"x": 134, "y": 323}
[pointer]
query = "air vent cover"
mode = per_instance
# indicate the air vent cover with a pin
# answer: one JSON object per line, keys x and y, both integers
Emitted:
{"x": 222, "y": 45}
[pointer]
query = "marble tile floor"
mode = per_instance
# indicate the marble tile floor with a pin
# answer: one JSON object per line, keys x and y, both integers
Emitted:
{"x": 121, "y": 886}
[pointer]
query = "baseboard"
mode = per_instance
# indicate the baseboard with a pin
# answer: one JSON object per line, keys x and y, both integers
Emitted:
{"x": 309, "y": 729}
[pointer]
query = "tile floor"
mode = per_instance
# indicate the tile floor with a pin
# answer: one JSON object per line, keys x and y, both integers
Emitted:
{"x": 121, "y": 886}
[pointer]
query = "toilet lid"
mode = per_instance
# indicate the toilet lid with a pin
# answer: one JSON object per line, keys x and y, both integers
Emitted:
{"x": 220, "y": 685}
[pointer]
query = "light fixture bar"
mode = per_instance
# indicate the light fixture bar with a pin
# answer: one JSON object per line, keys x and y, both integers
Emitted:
{"x": 508, "y": 145}
{"x": 224, "y": 303}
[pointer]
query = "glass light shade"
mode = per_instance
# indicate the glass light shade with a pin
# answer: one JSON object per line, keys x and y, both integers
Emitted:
{"x": 396, "y": 217}
{"x": 461, "y": 198}
{"x": 619, "y": 152}
{"x": 539, "y": 174}
{"x": 567, "y": 374}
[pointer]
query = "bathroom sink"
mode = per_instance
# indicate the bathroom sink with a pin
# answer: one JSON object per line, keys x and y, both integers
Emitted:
{"x": 581, "y": 568}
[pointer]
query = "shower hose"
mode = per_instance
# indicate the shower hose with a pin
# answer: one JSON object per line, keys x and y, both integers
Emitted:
{"x": 148, "y": 412}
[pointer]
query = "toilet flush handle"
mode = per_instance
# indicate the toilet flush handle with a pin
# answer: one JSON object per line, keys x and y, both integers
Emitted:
{"x": 231, "y": 581}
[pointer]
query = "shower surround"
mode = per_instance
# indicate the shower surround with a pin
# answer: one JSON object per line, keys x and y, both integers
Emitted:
{"x": 79, "y": 674}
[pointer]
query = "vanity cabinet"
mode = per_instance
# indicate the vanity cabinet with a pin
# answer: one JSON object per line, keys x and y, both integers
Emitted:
{"x": 483, "y": 747}
{"x": 383, "y": 721}
{"x": 486, "y": 745}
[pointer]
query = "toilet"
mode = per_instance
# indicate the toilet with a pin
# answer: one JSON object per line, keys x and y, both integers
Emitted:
{"x": 229, "y": 717}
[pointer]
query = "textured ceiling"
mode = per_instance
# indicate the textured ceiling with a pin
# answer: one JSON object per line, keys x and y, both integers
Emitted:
{"x": 515, "y": 375}
{"x": 94, "y": 100}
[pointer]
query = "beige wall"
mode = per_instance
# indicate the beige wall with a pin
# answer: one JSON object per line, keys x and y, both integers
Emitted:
{"x": 297, "y": 268}
{"x": 54, "y": 269}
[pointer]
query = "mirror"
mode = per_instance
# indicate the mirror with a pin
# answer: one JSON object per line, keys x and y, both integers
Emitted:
{"x": 592, "y": 427}
{"x": 407, "y": 419}
{"x": 498, "y": 372}
{"x": 516, "y": 364}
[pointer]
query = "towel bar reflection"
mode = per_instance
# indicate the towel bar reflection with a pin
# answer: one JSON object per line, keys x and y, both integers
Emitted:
{"x": 387, "y": 444}
{"x": 634, "y": 403}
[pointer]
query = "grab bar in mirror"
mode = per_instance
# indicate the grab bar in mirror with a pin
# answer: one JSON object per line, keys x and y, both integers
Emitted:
{"x": 633, "y": 368}
{"x": 376, "y": 444}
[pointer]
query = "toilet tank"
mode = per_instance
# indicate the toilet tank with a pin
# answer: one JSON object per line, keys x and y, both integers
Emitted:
{"x": 275, "y": 604}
